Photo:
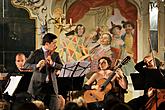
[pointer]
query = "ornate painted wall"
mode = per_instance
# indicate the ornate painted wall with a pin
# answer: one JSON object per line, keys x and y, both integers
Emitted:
{"x": 47, "y": 13}
{"x": 61, "y": 16}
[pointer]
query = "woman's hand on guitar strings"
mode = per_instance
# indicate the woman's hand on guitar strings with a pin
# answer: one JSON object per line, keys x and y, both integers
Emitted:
{"x": 86, "y": 87}
{"x": 119, "y": 74}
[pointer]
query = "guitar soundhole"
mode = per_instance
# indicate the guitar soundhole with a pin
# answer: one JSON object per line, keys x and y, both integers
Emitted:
{"x": 94, "y": 96}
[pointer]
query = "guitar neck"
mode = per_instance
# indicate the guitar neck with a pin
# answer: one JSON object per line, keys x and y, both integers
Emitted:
{"x": 108, "y": 80}
{"x": 125, "y": 60}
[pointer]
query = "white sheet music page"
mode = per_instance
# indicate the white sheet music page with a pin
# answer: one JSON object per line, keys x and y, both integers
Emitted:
{"x": 14, "y": 81}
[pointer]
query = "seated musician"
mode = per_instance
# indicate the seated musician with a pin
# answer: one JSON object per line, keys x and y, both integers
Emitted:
{"x": 149, "y": 70}
{"x": 20, "y": 59}
{"x": 119, "y": 82}
{"x": 20, "y": 95}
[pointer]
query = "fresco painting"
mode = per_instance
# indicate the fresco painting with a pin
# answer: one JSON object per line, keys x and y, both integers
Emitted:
{"x": 76, "y": 48}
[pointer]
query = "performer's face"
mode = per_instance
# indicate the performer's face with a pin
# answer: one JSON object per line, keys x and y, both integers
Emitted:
{"x": 103, "y": 64}
{"x": 150, "y": 62}
{"x": 116, "y": 31}
{"x": 52, "y": 46}
{"x": 20, "y": 61}
{"x": 80, "y": 31}
{"x": 104, "y": 39}
{"x": 128, "y": 28}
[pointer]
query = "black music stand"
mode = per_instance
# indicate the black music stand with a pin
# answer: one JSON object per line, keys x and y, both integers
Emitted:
{"x": 24, "y": 82}
{"x": 16, "y": 90}
{"x": 137, "y": 81}
{"x": 154, "y": 79}
{"x": 72, "y": 76}
{"x": 18, "y": 84}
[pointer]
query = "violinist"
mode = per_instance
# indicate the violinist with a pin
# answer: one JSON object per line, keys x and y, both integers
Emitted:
{"x": 119, "y": 83}
{"x": 153, "y": 77}
{"x": 45, "y": 62}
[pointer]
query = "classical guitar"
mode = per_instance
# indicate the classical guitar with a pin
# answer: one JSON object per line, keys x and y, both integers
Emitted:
{"x": 104, "y": 86}
{"x": 96, "y": 95}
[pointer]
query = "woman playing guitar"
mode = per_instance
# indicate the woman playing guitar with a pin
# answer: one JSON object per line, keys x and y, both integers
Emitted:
{"x": 114, "y": 90}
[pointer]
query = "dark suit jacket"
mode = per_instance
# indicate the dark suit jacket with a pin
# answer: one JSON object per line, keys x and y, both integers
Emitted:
{"x": 39, "y": 77}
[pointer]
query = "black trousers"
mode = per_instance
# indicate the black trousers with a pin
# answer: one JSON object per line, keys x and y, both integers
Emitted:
{"x": 48, "y": 96}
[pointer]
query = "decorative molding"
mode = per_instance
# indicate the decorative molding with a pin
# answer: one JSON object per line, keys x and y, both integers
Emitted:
{"x": 32, "y": 6}
{"x": 40, "y": 10}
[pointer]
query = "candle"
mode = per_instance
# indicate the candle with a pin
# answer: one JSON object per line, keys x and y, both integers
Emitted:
{"x": 60, "y": 20}
{"x": 70, "y": 21}
{"x": 64, "y": 23}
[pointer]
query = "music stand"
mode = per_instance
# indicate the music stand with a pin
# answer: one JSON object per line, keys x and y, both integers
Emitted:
{"x": 152, "y": 79}
{"x": 17, "y": 84}
{"x": 72, "y": 76}
{"x": 137, "y": 81}
{"x": 24, "y": 82}
{"x": 12, "y": 85}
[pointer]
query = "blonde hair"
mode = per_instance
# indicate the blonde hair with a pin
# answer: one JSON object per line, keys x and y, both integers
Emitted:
{"x": 80, "y": 101}
{"x": 39, "y": 104}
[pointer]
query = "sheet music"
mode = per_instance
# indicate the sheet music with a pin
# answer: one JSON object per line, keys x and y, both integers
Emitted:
{"x": 75, "y": 69}
{"x": 14, "y": 81}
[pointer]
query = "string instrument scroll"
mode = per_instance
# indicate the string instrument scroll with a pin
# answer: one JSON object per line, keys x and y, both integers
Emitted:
{"x": 152, "y": 54}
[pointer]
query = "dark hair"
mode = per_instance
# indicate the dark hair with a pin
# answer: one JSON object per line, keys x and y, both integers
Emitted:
{"x": 161, "y": 106}
{"x": 108, "y": 61}
{"x": 126, "y": 23}
{"x": 49, "y": 37}
{"x": 121, "y": 106}
{"x": 79, "y": 25}
{"x": 157, "y": 61}
{"x": 71, "y": 106}
{"x": 19, "y": 53}
{"x": 28, "y": 106}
